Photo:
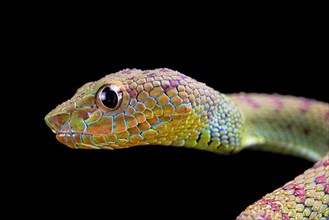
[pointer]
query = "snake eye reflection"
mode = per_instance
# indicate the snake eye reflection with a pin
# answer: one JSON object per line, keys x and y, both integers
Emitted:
{"x": 109, "y": 97}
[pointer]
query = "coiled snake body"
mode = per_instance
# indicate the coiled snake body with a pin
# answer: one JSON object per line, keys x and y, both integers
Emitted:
{"x": 164, "y": 107}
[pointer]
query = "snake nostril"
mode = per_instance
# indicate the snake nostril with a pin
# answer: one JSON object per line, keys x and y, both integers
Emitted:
{"x": 57, "y": 121}
{"x": 85, "y": 115}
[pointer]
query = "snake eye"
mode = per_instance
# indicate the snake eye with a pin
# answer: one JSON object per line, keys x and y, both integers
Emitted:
{"x": 109, "y": 97}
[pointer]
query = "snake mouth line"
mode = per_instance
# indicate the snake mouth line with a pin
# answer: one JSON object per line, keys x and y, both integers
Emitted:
{"x": 78, "y": 140}
{"x": 67, "y": 132}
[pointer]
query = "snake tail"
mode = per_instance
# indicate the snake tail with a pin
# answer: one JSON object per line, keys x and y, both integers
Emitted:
{"x": 164, "y": 107}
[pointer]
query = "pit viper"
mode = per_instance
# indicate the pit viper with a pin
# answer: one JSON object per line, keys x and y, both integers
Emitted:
{"x": 164, "y": 107}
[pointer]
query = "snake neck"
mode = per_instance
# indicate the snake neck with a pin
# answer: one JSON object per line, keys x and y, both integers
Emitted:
{"x": 284, "y": 124}
{"x": 217, "y": 125}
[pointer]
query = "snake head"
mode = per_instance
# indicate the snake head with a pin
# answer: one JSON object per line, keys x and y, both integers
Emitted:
{"x": 134, "y": 107}
{"x": 127, "y": 108}
{"x": 86, "y": 120}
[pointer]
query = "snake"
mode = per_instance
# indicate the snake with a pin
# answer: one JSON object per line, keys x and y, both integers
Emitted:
{"x": 135, "y": 107}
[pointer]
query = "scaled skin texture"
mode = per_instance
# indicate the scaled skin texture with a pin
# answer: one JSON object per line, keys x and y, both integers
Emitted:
{"x": 160, "y": 107}
{"x": 165, "y": 107}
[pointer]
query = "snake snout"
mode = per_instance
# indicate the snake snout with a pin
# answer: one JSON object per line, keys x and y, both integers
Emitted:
{"x": 57, "y": 121}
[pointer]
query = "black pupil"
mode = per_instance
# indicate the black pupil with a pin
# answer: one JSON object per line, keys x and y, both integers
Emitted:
{"x": 109, "y": 98}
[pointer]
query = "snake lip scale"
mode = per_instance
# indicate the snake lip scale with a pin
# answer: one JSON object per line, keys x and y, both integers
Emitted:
{"x": 164, "y": 107}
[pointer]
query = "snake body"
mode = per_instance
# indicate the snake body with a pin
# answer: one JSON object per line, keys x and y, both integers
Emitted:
{"x": 165, "y": 107}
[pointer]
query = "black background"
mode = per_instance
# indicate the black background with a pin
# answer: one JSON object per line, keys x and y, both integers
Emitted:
{"x": 268, "y": 57}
